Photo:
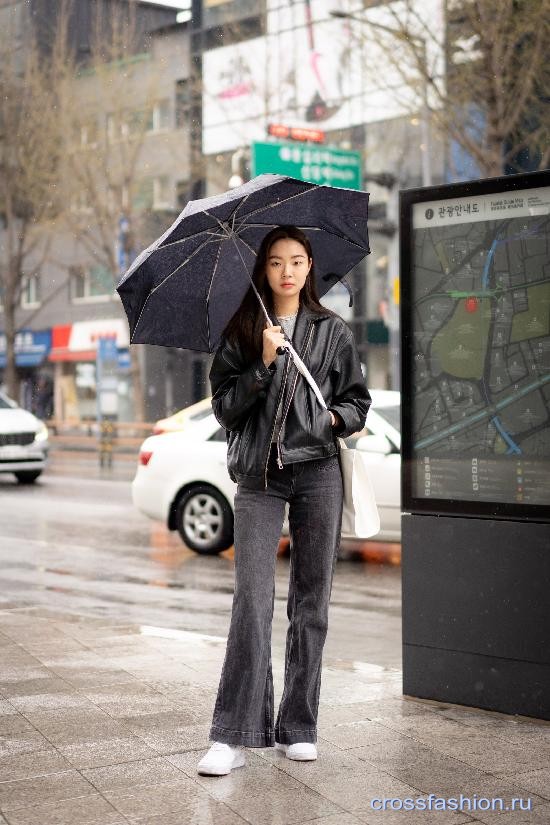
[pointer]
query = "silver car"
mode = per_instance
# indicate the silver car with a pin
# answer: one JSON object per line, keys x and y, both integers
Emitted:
{"x": 23, "y": 442}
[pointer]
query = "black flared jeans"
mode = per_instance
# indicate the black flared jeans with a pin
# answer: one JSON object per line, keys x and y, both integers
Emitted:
{"x": 244, "y": 711}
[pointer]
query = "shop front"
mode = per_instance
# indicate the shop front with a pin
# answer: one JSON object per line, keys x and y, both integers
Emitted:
{"x": 74, "y": 358}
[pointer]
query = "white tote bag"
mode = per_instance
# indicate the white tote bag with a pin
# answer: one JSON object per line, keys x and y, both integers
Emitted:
{"x": 360, "y": 518}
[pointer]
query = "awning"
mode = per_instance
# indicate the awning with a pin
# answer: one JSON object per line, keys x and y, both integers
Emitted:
{"x": 78, "y": 341}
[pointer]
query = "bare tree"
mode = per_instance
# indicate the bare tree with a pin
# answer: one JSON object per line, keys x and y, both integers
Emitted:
{"x": 483, "y": 75}
{"x": 30, "y": 156}
{"x": 112, "y": 109}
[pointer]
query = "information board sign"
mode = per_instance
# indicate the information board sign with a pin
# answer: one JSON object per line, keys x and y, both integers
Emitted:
{"x": 475, "y": 319}
{"x": 316, "y": 164}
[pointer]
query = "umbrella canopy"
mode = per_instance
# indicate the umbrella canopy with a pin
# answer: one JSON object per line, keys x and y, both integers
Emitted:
{"x": 182, "y": 290}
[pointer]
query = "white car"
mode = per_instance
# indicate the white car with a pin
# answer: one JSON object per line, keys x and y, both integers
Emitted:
{"x": 182, "y": 477}
{"x": 23, "y": 442}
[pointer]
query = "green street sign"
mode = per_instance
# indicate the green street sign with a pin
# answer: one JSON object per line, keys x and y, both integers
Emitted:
{"x": 317, "y": 164}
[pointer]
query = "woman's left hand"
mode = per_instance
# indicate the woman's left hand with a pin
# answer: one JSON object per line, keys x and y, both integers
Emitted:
{"x": 334, "y": 419}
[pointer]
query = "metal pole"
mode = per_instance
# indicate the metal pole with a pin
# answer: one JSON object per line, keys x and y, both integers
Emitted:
{"x": 393, "y": 276}
{"x": 426, "y": 126}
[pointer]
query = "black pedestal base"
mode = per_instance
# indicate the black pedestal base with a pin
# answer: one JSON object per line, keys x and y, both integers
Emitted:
{"x": 476, "y": 613}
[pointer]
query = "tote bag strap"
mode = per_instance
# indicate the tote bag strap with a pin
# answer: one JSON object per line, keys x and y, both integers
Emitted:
{"x": 301, "y": 367}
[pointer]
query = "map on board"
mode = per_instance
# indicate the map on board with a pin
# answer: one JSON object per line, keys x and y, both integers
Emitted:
{"x": 481, "y": 340}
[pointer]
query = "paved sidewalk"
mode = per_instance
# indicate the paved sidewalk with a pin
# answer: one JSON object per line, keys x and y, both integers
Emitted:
{"x": 105, "y": 723}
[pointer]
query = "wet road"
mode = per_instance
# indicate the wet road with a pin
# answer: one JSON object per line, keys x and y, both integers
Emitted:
{"x": 74, "y": 542}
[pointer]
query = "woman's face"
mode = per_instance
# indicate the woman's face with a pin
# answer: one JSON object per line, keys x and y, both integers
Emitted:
{"x": 287, "y": 267}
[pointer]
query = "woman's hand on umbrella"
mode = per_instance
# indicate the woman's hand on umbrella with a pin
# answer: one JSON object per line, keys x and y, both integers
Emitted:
{"x": 273, "y": 338}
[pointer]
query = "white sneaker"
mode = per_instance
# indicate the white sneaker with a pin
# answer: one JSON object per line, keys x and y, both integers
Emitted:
{"x": 302, "y": 751}
{"x": 220, "y": 759}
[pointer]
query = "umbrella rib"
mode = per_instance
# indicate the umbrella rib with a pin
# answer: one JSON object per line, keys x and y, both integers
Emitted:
{"x": 224, "y": 230}
{"x": 208, "y": 293}
{"x": 189, "y": 237}
{"x": 278, "y": 203}
{"x": 242, "y": 240}
{"x": 234, "y": 215}
{"x": 335, "y": 234}
{"x": 198, "y": 249}
{"x": 315, "y": 228}
{"x": 229, "y": 233}
{"x": 252, "y": 284}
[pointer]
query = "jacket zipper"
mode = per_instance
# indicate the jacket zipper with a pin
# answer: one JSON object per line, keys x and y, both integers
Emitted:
{"x": 279, "y": 400}
{"x": 285, "y": 413}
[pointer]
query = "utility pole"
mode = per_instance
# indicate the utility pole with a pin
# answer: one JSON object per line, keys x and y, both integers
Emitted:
{"x": 389, "y": 227}
{"x": 198, "y": 182}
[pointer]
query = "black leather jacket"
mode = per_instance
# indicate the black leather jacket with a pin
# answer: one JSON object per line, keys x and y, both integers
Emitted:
{"x": 245, "y": 397}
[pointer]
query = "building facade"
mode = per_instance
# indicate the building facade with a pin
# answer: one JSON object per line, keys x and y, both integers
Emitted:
{"x": 70, "y": 301}
{"x": 222, "y": 82}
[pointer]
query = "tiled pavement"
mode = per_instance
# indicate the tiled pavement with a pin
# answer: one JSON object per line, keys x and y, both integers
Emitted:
{"x": 104, "y": 723}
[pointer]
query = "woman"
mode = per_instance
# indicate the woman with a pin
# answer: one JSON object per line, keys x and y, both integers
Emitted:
{"x": 281, "y": 448}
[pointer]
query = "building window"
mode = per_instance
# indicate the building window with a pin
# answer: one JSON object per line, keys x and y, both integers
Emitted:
{"x": 12, "y": 22}
{"x": 90, "y": 283}
{"x": 161, "y": 116}
{"x": 139, "y": 121}
{"x": 77, "y": 281}
{"x": 30, "y": 291}
{"x": 113, "y": 127}
{"x": 162, "y": 194}
{"x": 80, "y": 202}
{"x": 88, "y": 134}
{"x": 117, "y": 199}
{"x": 153, "y": 193}
{"x": 143, "y": 194}
{"x": 121, "y": 125}
{"x": 101, "y": 281}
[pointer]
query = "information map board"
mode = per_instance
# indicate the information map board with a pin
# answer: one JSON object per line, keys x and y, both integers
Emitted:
{"x": 475, "y": 321}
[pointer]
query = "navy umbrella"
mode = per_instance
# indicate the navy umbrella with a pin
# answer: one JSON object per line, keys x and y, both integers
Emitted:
{"x": 182, "y": 290}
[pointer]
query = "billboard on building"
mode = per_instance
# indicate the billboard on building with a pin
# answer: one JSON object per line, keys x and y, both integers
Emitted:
{"x": 313, "y": 69}
{"x": 476, "y": 347}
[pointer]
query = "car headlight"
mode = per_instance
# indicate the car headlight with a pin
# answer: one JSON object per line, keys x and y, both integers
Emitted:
{"x": 41, "y": 433}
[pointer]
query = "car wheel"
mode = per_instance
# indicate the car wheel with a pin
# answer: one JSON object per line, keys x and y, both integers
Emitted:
{"x": 27, "y": 476}
{"x": 204, "y": 520}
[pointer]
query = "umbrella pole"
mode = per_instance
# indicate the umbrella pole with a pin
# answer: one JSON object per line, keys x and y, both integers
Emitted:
{"x": 252, "y": 282}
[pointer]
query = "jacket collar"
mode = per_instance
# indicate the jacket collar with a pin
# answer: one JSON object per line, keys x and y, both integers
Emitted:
{"x": 304, "y": 313}
{"x": 305, "y": 316}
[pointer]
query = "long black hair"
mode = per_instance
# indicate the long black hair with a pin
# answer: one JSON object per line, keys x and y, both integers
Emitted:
{"x": 246, "y": 326}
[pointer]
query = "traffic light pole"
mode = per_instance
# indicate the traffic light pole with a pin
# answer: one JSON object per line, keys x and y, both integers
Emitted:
{"x": 393, "y": 290}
